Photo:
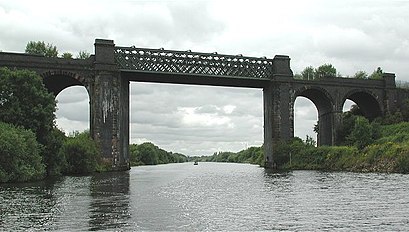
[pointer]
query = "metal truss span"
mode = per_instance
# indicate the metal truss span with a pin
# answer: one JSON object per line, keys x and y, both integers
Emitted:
{"x": 192, "y": 63}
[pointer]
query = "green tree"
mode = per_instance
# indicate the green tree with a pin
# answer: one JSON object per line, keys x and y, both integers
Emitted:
{"x": 25, "y": 102}
{"x": 20, "y": 158}
{"x": 346, "y": 127}
{"x": 40, "y": 48}
{"x": 377, "y": 74}
{"x": 66, "y": 55}
{"x": 362, "y": 134}
{"x": 308, "y": 73}
{"x": 325, "y": 70}
{"x": 148, "y": 154}
{"x": 53, "y": 155}
{"x": 361, "y": 75}
{"x": 83, "y": 55}
{"x": 309, "y": 141}
{"x": 82, "y": 154}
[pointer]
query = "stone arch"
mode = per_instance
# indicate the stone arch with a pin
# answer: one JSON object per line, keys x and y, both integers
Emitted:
{"x": 367, "y": 101}
{"x": 57, "y": 81}
{"x": 324, "y": 103}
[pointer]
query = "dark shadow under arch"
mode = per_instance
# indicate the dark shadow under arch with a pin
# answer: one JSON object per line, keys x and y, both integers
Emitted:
{"x": 57, "y": 82}
{"x": 367, "y": 103}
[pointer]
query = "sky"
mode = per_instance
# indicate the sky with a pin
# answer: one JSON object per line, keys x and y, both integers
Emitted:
{"x": 352, "y": 35}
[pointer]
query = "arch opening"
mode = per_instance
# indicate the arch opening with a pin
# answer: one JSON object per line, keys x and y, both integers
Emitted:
{"x": 73, "y": 110}
{"x": 324, "y": 106}
{"x": 305, "y": 118}
{"x": 367, "y": 103}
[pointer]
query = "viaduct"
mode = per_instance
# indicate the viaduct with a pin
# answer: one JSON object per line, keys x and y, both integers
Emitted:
{"x": 107, "y": 73}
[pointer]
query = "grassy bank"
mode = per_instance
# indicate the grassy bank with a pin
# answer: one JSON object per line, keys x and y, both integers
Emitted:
{"x": 388, "y": 153}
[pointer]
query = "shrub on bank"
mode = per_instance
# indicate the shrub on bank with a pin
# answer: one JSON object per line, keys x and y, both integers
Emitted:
{"x": 20, "y": 155}
{"x": 81, "y": 153}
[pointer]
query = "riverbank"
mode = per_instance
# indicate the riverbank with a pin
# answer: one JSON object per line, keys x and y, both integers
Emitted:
{"x": 389, "y": 153}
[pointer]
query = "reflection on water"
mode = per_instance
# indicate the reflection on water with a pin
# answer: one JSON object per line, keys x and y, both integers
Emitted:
{"x": 209, "y": 196}
{"x": 109, "y": 206}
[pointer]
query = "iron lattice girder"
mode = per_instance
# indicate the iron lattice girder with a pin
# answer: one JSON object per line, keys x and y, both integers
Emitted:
{"x": 193, "y": 63}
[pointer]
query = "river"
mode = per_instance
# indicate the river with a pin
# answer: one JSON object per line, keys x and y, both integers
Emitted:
{"x": 211, "y": 197}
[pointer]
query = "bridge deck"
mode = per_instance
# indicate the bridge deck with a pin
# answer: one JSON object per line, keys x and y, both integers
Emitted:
{"x": 192, "y": 63}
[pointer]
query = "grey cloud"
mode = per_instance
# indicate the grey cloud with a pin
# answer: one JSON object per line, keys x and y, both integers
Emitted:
{"x": 73, "y": 95}
{"x": 208, "y": 109}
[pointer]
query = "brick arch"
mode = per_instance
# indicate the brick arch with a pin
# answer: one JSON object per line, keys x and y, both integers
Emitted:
{"x": 324, "y": 103}
{"x": 369, "y": 102}
{"x": 321, "y": 98}
{"x": 56, "y": 81}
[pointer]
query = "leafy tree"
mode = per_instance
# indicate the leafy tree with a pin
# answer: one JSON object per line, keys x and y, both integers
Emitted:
{"x": 346, "y": 127}
{"x": 25, "y": 102}
{"x": 83, "y": 55}
{"x": 377, "y": 74}
{"x": 310, "y": 141}
{"x": 308, "y": 73}
{"x": 40, "y": 48}
{"x": 20, "y": 158}
{"x": 149, "y": 154}
{"x": 362, "y": 134}
{"x": 66, "y": 55}
{"x": 53, "y": 155}
{"x": 82, "y": 154}
{"x": 361, "y": 75}
{"x": 325, "y": 70}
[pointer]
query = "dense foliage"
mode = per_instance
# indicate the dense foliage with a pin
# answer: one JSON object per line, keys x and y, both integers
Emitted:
{"x": 329, "y": 71}
{"x": 388, "y": 153}
{"x": 149, "y": 154}
{"x": 25, "y": 102}
{"x": 27, "y": 114}
{"x": 81, "y": 154}
{"x": 20, "y": 155}
{"x": 252, "y": 155}
{"x": 50, "y": 50}
{"x": 41, "y": 48}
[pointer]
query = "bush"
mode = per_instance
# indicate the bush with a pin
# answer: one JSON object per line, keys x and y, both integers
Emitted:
{"x": 20, "y": 157}
{"x": 81, "y": 153}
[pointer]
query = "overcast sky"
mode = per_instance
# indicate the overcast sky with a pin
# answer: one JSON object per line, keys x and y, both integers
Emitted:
{"x": 352, "y": 35}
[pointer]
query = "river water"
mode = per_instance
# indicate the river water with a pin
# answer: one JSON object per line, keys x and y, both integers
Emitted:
{"x": 209, "y": 196}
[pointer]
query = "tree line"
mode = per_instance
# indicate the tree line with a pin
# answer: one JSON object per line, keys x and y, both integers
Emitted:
{"x": 150, "y": 154}
{"x": 50, "y": 50}
{"x": 329, "y": 71}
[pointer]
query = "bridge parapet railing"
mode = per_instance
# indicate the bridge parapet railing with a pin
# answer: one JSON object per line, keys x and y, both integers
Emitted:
{"x": 193, "y": 63}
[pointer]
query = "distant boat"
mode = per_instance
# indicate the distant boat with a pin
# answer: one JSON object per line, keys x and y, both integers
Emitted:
{"x": 195, "y": 163}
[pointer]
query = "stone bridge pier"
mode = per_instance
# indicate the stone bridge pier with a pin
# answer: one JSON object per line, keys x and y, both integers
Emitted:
{"x": 109, "y": 106}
